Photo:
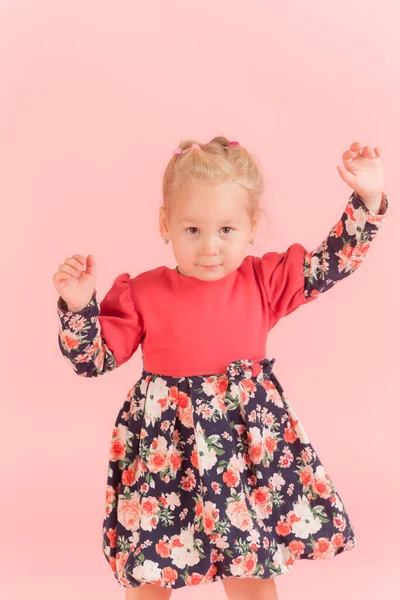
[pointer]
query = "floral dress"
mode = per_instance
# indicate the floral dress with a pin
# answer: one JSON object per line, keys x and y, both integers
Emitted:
{"x": 213, "y": 476}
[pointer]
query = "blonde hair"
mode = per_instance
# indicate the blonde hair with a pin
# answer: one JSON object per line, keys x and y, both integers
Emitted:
{"x": 215, "y": 161}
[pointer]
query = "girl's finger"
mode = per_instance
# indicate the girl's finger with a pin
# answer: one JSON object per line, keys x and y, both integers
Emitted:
{"x": 70, "y": 270}
{"x": 80, "y": 258}
{"x": 348, "y": 156}
{"x": 59, "y": 277}
{"x": 91, "y": 265}
{"x": 75, "y": 263}
{"x": 355, "y": 147}
{"x": 370, "y": 152}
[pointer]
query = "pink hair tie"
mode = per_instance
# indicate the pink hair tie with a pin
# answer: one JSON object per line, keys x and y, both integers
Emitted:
{"x": 180, "y": 151}
{"x": 233, "y": 144}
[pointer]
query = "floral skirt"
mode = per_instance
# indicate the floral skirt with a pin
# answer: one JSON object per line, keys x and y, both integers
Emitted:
{"x": 214, "y": 476}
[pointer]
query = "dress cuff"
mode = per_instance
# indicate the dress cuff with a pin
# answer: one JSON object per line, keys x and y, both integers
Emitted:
{"x": 382, "y": 209}
{"x": 62, "y": 307}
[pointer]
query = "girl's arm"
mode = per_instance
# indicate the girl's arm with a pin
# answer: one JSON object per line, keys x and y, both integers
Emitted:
{"x": 345, "y": 247}
{"x": 101, "y": 336}
{"x": 297, "y": 276}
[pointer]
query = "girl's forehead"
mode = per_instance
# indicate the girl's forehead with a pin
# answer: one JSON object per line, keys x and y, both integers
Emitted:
{"x": 210, "y": 213}
{"x": 225, "y": 202}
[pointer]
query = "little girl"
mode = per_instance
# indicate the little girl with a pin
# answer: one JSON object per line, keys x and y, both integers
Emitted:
{"x": 211, "y": 474}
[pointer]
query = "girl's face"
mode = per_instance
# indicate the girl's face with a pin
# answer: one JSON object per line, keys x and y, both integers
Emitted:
{"x": 209, "y": 227}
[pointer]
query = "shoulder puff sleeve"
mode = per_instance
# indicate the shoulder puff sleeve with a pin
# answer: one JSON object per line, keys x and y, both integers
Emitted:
{"x": 283, "y": 280}
{"x": 120, "y": 324}
{"x": 298, "y": 276}
{"x": 102, "y": 336}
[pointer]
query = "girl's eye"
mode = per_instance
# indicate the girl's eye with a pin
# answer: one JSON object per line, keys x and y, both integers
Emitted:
{"x": 194, "y": 230}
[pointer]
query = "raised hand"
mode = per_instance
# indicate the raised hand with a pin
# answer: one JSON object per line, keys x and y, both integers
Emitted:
{"x": 363, "y": 172}
{"x": 75, "y": 281}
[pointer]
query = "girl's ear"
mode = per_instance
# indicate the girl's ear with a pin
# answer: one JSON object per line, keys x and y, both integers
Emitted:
{"x": 253, "y": 229}
{"x": 163, "y": 222}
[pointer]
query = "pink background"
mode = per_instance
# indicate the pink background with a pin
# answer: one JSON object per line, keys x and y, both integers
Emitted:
{"x": 94, "y": 97}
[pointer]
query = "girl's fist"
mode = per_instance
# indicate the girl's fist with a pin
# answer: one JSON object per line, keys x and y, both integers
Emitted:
{"x": 75, "y": 281}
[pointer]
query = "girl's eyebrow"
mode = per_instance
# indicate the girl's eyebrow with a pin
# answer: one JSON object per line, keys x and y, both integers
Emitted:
{"x": 225, "y": 222}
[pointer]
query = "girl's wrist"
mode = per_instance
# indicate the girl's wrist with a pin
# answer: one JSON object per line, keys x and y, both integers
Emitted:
{"x": 77, "y": 309}
{"x": 374, "y": 203}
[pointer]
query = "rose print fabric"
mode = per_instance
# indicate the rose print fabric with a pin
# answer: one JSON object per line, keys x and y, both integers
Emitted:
{"x": 212, "y": 475}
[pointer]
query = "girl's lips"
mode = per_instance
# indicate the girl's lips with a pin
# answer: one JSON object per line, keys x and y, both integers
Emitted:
{"x": 210, "y": 266}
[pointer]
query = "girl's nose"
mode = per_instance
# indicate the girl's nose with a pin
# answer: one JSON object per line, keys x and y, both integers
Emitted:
{"x": 210, "y": 248}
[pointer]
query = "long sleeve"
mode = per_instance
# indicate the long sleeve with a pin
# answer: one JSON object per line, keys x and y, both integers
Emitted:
{"x": 297, "y": 276}
{"x": 345, "y": 247}
{"x": 101, "y": 336}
